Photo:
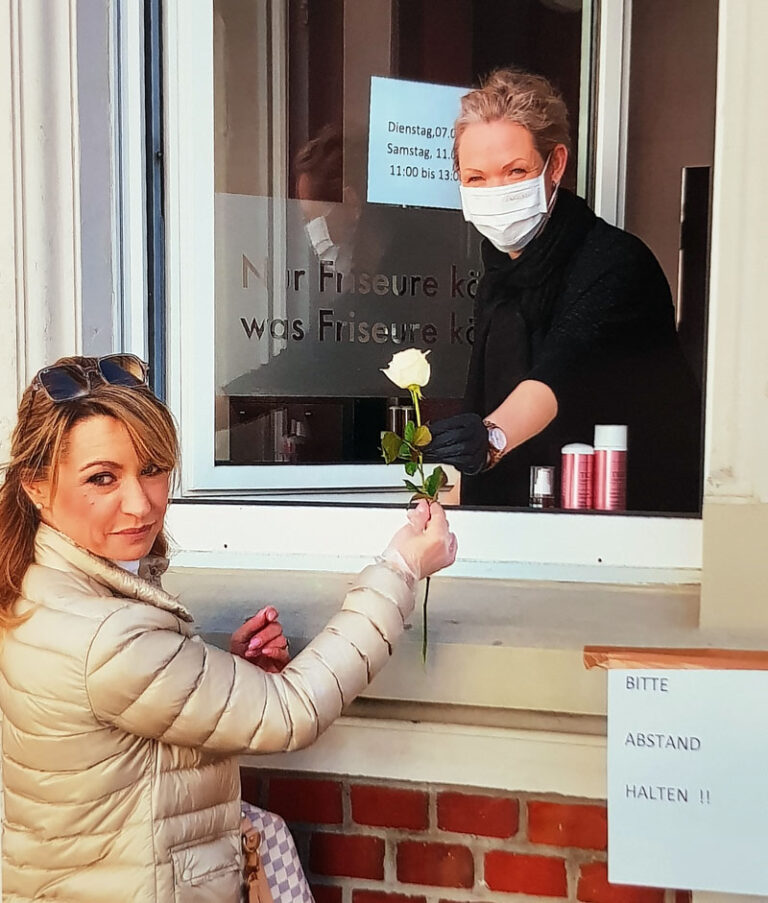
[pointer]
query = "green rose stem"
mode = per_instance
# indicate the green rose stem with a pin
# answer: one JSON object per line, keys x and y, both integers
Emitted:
{"x": 415, "y": 395}
{"x": 424, "y": 624}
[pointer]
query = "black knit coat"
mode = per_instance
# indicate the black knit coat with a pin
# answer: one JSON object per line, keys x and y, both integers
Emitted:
{"x": 586, "y": 309}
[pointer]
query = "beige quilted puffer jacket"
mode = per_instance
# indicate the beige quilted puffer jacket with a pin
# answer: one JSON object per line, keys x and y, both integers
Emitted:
{"x": 121, "y": 728}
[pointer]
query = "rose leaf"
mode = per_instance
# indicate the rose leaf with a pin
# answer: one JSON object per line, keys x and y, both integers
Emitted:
{"x": 422, "y": 437}
{"x": 390, "y": 447}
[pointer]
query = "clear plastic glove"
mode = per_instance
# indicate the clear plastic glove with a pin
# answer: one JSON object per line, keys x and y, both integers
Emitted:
{"x": 461, "y": 440}
{"x": 425, "y": 545}
{"x": 261, "y": 641}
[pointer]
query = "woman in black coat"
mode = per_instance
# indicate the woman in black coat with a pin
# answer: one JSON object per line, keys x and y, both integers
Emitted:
{"x": 574, "y": 320}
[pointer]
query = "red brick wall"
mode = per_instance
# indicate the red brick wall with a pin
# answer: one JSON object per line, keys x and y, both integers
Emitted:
{"x": 374, "y": 842}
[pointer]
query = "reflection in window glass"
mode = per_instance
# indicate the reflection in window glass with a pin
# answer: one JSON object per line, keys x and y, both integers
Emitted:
{"x": 316, "y": 287}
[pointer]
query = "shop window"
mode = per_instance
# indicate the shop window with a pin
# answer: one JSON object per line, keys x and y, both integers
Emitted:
{"x": 316, "y": 246}
{"x": 313, "y": 298}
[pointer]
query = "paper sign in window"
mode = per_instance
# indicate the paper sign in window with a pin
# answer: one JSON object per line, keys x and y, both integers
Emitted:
{"x": 410, "y": 143}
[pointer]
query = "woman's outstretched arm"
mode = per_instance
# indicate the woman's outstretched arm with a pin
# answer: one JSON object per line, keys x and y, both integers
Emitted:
{"x": 146, "y": 677}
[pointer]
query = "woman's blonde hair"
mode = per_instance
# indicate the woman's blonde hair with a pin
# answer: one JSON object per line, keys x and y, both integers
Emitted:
{"x": 517, "y": 96}
{"x": 39, "y": 442}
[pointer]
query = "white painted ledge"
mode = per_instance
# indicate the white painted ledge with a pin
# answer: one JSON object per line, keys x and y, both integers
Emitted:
{"x": 595, "y": 547}
{"x": 504, "y": 697}
{"x": 514, "y": 760}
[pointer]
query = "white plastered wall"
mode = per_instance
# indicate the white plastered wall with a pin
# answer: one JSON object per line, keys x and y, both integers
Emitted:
{"x": 57, "y": 108}
{"x": 39, "y": 158}
{"x": 735, "y": 553}
{"x": 41, "y": 260}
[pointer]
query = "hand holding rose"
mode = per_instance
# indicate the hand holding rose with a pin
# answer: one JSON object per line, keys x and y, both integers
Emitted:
{"x": 425, "y": 545}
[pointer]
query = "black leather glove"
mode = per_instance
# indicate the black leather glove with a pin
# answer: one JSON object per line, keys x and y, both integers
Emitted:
{"x": 461, "y": 440}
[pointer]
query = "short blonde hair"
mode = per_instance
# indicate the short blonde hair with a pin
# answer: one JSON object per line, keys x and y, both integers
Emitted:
{"x": 517, "y": 96}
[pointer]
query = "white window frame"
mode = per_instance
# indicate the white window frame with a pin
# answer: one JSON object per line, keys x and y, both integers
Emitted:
{"x": 131, "y": 327}
{"x": 190, "y": 268}
{"x": 190, "y": 231}
{"x": 523, "y": 544}
{"x": 612, "y": 108}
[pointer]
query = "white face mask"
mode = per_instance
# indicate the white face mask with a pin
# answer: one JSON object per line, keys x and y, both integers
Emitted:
{"x": 318, "y": 234}
{"x": 509, "y": 216}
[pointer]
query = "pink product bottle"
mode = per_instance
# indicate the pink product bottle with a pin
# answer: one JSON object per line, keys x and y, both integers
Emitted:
{"x": 610, "y": 467}
{"x": 577, "y": 473}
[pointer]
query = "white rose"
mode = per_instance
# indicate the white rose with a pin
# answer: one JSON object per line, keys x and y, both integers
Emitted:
{"x": 409, "y": 368}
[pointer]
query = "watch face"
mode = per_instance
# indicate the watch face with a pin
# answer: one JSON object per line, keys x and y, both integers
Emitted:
{"x": 497, "y": 438}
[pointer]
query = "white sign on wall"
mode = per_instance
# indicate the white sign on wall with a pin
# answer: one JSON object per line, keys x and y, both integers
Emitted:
{"x": 688, "y": 779}
{"x": 410, "y": 143}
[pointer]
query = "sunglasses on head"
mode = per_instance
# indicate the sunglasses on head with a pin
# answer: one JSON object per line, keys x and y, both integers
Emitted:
{"x": 66, "y": 382}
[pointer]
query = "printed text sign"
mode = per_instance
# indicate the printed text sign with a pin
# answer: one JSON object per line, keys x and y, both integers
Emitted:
{"x": 687, "y": 779}
{"x": 410, "y": 143}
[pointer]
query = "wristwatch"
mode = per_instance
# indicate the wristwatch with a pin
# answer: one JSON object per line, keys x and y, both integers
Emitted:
{"x": 497, "y": 442}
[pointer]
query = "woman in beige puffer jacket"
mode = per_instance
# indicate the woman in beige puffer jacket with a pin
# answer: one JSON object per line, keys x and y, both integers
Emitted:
{"x": 121, "y": 728}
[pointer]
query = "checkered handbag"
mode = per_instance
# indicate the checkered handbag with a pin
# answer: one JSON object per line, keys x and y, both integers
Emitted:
{"x": 279, "y": 859}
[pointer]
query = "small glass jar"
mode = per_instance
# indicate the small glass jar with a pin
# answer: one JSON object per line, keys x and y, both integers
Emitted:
{"x": 542, "y": 490}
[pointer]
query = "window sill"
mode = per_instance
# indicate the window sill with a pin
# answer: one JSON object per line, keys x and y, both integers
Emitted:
{"x": 505, "y": 695}
{"x": 494, "y": 646}
{"x": 593, "y": 547}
